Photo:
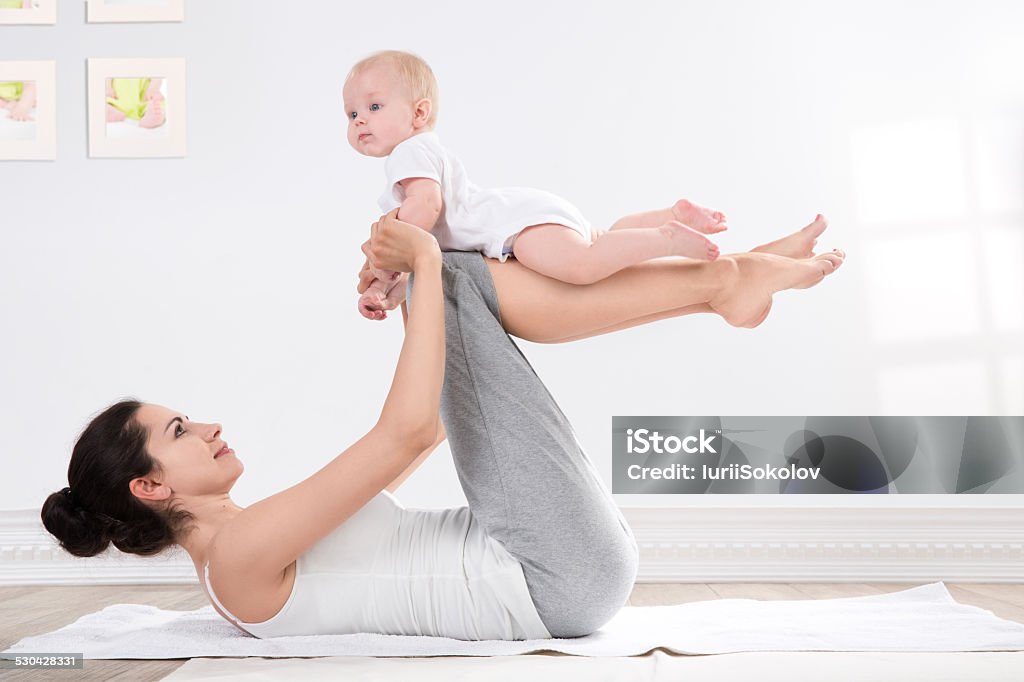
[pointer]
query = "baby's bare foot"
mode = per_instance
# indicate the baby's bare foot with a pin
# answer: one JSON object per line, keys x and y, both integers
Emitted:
{"x": 154, "y": 116}
{"x": 688, "y": 242}
{"x": 800, "y": 244}
{"x": 699, "y": 218}
{"x": 22, "y": 112}
{"x": 751, "y": 278}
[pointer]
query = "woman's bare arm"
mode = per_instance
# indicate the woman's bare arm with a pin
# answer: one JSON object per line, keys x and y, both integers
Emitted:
{"x": 441, "y": 435}
{"x": 269, "y": 535}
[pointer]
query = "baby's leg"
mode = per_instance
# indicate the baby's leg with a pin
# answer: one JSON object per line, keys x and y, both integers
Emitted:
{"x": 562, "y": 253}
{"x": 114, "y": 115}
{"x": 685, "y": 211}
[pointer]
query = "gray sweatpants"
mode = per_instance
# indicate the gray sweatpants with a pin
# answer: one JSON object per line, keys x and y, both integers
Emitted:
{"x": 526, "y": 478}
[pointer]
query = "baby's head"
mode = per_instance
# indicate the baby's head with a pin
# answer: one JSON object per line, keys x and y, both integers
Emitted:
{"x": 389, "y": 97}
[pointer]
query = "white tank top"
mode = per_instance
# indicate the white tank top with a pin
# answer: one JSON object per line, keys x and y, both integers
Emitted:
{"x": 392, "y": 570}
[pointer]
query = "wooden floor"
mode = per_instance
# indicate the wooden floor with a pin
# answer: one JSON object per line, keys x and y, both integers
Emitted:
{"x": 28, "y": 611}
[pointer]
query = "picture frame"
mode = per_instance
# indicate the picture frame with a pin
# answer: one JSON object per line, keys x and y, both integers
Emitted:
{"x": 30, "y": 12}
{"x": 28, "y": 133}
{"x": 137, "y": 108}
{"x": 104, "y": 11}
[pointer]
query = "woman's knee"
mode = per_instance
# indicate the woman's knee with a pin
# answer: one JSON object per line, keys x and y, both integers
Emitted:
{"x": 599, "y": 594}
{"x": 595, "y": 604}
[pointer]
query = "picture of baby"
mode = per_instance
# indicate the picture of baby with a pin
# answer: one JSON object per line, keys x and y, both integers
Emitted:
{"x": 136, "y": 107}
{"x": 17, "y": 110}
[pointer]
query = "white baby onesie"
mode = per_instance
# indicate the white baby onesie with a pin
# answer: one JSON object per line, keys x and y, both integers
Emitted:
{"x": 473, "y": 218}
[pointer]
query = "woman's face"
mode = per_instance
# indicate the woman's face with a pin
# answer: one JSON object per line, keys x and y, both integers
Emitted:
{"x": 186, "y": 451}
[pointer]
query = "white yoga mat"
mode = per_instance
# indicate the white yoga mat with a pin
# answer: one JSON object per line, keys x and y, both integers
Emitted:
{"x": 920, "y": 619}
{"x": 657, "y": 666}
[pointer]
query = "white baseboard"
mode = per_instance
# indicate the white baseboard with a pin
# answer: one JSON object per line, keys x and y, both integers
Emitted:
{"x": 829, "y": 544}
{"x": 676, "y": 545}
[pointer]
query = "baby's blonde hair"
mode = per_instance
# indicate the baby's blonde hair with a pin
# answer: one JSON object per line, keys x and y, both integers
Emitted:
{"x": 414, "y": 73}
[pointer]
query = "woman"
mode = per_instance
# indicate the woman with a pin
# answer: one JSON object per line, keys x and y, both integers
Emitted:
{"x": 541, "y": 551}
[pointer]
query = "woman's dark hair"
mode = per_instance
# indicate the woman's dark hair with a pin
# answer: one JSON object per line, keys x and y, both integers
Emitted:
{"x": 98, "y": 508}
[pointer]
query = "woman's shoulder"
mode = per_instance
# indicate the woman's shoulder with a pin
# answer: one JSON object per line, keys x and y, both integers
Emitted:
{"x": 257, "y": 595}
{"x": 247, "y": 596}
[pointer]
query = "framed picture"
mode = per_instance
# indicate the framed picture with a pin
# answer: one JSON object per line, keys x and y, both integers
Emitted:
{"x": 28, "y": 11}
{"x": 136, "y": 108}
{"x": 28, "y": 110}
{"x": 135, "y": 10}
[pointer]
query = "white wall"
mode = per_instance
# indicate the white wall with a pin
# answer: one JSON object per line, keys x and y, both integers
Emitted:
{"x": 222, "y": 284}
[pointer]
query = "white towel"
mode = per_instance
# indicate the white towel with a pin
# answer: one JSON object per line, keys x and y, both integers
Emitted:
{"x": 924, "y": 618}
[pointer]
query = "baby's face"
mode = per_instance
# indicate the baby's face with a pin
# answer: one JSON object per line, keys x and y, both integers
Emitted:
{"x": 379, "y": 112}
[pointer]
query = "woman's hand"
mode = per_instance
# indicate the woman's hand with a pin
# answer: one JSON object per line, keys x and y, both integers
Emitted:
{"x": 399, "y": 246}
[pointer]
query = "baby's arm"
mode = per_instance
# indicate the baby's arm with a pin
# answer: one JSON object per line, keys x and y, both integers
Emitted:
{"x": 421, "y": 207}
{"x": 423, "y": 203}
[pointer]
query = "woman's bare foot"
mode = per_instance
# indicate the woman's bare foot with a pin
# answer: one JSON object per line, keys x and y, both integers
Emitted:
{"x": 699, "y": 218}
{"x": 746, "y": 294}
{"x": 686, "y": 241}
{"x": 800, "y": 244}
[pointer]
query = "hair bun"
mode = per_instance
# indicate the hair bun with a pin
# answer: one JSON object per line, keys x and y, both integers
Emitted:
{"x": 79, "y": 532}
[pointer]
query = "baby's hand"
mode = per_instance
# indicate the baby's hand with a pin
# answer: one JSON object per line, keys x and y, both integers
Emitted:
{"x": 386, "y": 276}
{"x": 397, "y": 293}
{"x": 372, "y": 303}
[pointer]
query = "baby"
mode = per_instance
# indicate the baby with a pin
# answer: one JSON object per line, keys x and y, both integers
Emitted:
{"x": 139, "y": 99}
{"x": 391, "y": 102}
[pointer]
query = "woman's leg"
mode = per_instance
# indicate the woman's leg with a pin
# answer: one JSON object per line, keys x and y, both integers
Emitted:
{"x": 545, "y": 310}
{"x": 526, "y": 478}
{"x": 636, "y": 322}
{"x": 737, "y": 287}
